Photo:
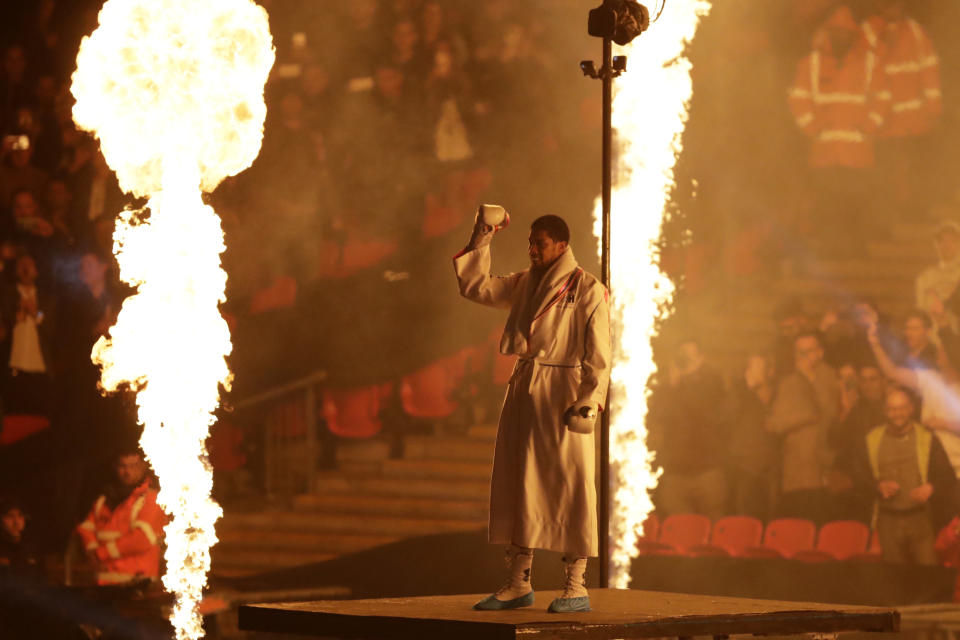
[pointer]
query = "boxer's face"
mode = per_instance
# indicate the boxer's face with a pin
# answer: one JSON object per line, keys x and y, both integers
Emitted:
{"x": 543, "y": 249}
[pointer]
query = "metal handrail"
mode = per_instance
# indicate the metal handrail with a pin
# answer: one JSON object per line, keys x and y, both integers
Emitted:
{"x": 308, "y": 386}
{"x": 282, "y": 390}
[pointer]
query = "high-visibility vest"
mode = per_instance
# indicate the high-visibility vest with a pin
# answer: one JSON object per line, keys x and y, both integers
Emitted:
{"x": 912, "y": 69}
{"x": 924, "y": 445}
{"x": 840, "y": 104}
{"x": 126, "y": 539}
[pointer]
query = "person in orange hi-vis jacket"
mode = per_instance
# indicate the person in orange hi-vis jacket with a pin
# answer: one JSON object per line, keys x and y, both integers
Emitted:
{"x": 839, "y": 98}
{"x": 840, "y": 101}
{"x": 908, "y": 60}
{"x": 123, "y": 531}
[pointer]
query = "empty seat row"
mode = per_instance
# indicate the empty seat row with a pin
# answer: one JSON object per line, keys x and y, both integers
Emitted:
{"x": 428, "y": 393}
{"x": 742, "y": 536}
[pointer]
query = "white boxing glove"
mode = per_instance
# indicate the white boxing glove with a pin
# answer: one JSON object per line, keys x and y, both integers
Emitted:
{"x": 490, "y": 219}
{"x": 493, "y": 215}
{"x": 580, "y": 418}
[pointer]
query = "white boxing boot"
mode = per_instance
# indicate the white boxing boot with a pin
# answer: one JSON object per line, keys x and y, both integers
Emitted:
{"x": 574, "y": 596}
{"x": 516, "y": 591}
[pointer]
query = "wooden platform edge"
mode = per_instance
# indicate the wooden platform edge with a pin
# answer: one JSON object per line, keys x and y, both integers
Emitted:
{"x": 264, "y": 618}
{"x": 255, "y": 617}
{"x": 801, "y": 621}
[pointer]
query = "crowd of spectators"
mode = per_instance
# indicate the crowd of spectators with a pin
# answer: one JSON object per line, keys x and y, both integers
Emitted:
{"x": 386, "y": 122}
{"x": 814, "y": 426}
{"x": 834, "y": 420}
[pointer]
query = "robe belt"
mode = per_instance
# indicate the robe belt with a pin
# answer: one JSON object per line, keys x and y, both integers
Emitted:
{"x": 548, "y": 363}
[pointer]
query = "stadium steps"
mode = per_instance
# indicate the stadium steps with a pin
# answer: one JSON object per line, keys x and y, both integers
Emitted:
{"x": 441, "y": 485}
{"x": 399, "y": 506}
{"x": 367, "y": 524}
{"x": 735, "y": 318}
{"x": 447, "y": 448}
{"x": 232, "y": 563}
{"x": 438, "y": 469}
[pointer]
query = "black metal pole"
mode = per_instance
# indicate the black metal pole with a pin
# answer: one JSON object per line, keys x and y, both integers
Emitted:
{"x": 606, "y": 74}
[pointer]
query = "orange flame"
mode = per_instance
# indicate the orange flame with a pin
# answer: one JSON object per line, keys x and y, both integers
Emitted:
{"x": 173, "y": 89}
{"x": 649, "y": 115}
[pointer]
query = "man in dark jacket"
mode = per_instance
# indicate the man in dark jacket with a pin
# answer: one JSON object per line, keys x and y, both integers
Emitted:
{"x": 904, "y": 466}
{"x": 689, "y": 437}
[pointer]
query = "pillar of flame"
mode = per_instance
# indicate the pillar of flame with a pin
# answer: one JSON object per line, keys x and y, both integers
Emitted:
{"x": 650, "y": 106}
{"x": 173, "y": 89}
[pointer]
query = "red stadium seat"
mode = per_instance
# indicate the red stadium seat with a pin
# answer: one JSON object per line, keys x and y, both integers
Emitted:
{"x": 225, "y": 446}
{"x": 784, "y": 538}
{"x": 339, "y": 261}
{"x": 427, "y": 393}
{"x": 678, "y": 533}
{"x": 355, "y": 413}
{"x": 651, "y": 527}
{"x": 281, "y": 294}
{"x": 838, "y": 540}
{"x": 440, "y": 219}
{"x": 731, "y": 536}
{"x": 474, "y": 183}
{"x": 647, "y": 544}
{"x": 16, "y": 427}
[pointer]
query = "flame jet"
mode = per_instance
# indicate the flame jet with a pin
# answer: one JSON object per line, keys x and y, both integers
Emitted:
{"x": 173, "y": 89}
{"x": 650, "y": 105}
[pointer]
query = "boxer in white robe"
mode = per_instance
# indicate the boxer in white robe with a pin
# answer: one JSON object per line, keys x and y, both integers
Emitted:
{"x": 542, "y": 492}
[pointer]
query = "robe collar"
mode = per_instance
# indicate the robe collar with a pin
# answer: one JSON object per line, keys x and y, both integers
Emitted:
{"x": 513, "y": 340}
{"x": 556, "y": 274}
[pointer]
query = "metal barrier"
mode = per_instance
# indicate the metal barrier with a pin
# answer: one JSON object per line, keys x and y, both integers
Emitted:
{"x": 288, "y": 416}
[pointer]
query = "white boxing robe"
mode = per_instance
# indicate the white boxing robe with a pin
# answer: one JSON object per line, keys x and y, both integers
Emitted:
{"x": 542, "y": 493}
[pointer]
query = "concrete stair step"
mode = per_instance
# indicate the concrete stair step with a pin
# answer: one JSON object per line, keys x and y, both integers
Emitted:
{"x": 247, "y": 562}
{"x": 472, "y": 487}
{"x": 393, "y": 506}
{"x": 448, "y": 448}
{"x": 426, "y": 488}
{"x": 362, "y": 451}
{"x": 483, "y": 432}
{"x": 352, "y": 523}
{"x": 425, "y": 468}
{"x": 238, "y": 539}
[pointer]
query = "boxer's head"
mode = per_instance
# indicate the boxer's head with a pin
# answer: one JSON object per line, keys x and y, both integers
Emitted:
{"x": 549, "y": 238}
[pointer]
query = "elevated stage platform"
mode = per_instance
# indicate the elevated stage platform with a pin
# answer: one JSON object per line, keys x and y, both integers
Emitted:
{"x": 616, "y": 614}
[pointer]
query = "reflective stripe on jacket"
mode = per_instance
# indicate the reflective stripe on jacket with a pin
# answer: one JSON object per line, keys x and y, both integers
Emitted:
{"x": 924, "y": 444}
{"x": 912, "y": 69}
{"x": 840, "y": 103}
{"x": 126, "y": 539}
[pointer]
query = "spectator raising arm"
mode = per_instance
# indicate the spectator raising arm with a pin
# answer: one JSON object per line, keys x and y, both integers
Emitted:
{"x": 901, "y": 375}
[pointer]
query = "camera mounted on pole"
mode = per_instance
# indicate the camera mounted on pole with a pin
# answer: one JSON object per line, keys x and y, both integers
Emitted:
{"x": 619, "y": 21}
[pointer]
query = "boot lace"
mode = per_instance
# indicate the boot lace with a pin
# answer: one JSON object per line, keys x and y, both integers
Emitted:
{"x": 571, "y": 587}
{"x": 514, "y": 581}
